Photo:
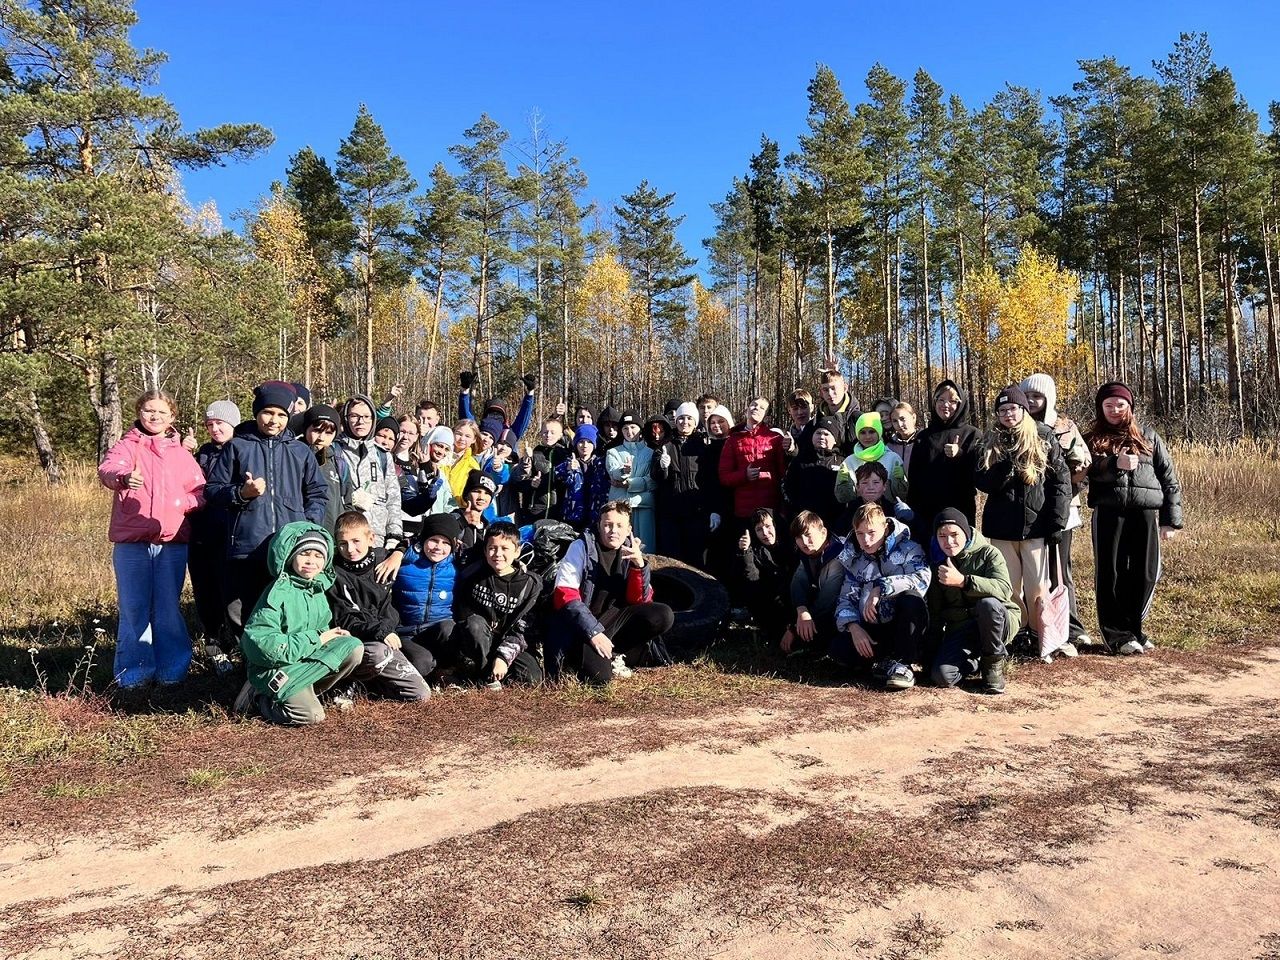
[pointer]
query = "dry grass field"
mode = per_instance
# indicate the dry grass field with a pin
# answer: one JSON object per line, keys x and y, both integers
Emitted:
{"x": 737, "y": 806}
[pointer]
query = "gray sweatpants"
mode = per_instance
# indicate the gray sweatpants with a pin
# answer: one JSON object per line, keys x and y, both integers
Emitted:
{"x": 388, "y": 673}
{"x": 304, "y": 707}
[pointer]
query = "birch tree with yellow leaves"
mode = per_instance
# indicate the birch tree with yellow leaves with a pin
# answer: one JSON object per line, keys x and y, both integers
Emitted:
{"x": 1016, "y": 325}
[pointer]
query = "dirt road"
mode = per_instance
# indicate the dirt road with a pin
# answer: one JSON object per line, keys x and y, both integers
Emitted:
{"x": 1101, "y": 809}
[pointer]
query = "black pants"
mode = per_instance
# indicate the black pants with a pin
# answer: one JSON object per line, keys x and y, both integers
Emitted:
{"x": 207, "y": 562}
{"x": 683, "y": 535}
{"x": 899, "y": 639}
{"x": 985, "y": 635}
{"x": 429, "y": 646}
{"x": 631, "y": 630}
{"x": 1075, "y": 627}
{"x": 476, "y": 650}
{"x": 1126, "y": 559}
{"x": 247, "y": 578}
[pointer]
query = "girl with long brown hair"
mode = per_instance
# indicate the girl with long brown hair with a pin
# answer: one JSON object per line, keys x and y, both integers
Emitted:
{"x": 1137, "y": 503}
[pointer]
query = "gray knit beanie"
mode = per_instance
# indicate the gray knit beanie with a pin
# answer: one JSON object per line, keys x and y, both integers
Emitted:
{"x": 223, "y": 410}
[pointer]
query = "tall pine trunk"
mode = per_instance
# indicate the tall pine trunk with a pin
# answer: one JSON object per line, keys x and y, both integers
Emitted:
{"x": 1202, "y": 334}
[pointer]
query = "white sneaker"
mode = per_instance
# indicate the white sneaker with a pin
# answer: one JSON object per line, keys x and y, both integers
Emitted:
{"x": 1132, "y": 647}
{"x": 493, "y": 686}
{"x": 1084, "y": 640}
{"x": 620, "y": 668}
{"x": 1068, "y": 649}
{"x": 343, "y": 702}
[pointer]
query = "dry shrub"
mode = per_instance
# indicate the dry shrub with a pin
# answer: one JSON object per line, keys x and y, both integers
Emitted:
{"x": 56, "y": 560}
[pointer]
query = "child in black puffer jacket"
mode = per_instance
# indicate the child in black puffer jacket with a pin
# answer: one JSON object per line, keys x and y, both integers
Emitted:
{"x": 1028, "y": 487}
{"x": 1137, "y": 503}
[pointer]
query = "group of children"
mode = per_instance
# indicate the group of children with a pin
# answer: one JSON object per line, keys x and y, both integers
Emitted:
{"x": 342, "y": 549}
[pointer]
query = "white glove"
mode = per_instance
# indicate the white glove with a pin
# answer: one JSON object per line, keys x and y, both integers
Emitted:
{"x": 664, "y": 461}
{"x": 362, "y": 500}
{"x": 715, "y": 522}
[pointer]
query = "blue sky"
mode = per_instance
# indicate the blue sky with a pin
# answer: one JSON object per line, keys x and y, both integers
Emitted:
{"x": 678, "y": 93}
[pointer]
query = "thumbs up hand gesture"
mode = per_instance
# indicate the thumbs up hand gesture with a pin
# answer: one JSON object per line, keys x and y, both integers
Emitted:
{"x": 252, "y": 487}
{"x": 189, "y": 440}
{"x": 949, "y": 576}
{"x": 134, "y": 480}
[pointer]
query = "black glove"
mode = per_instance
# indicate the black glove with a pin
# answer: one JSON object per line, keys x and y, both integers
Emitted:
{"x": 466, "y": 378}
{"x": 530, "y": 381}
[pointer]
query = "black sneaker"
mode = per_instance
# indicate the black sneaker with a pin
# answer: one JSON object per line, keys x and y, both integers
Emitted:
{"x": 880, "y": 670}
{"x": 246, "y": 700}
{"x": 993, "y": 674}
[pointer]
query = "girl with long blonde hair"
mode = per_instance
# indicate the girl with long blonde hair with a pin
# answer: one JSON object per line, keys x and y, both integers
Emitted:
{"x": 1028, "y": 489}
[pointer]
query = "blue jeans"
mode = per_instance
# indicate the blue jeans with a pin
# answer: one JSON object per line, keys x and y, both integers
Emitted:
{"x": 152, "y": 642}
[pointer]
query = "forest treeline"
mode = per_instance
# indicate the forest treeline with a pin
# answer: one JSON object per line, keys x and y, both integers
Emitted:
{"x": 1126, "y": 228}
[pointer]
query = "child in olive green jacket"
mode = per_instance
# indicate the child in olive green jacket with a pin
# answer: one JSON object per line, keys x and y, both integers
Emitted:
{"x": 972, "y": 614}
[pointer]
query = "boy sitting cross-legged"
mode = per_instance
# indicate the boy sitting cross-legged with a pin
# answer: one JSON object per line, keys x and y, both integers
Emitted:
{"x": 971, "y": 607}
{"x": 391, "y": 667}
{"x": 492, "y": 607}
{"x": 882, "y": 615}
{"x": 292, "y": 653}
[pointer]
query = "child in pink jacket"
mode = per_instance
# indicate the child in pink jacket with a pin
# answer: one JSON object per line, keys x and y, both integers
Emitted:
{"x": 157, "y": 483}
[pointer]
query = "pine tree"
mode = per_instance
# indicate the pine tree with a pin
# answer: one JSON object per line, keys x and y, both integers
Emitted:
{"x": 331, "y": 235}
{"x": 832, "y": 163}
{"x": 928, "y": 119}
{"x": 490, "y": 199}
{"x": 376, "y": 187}
{"x": 885, "y": 142}
{"x": 88, "y": 163}
{"x": 439, "y": 246}
{"x": 648, "y": 247}
{"x": 549, "y": 225}
{"x": 313, "y": 188}
{"x": 765, "y": 193}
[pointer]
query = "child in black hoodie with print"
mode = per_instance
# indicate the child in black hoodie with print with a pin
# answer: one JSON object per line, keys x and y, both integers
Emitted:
{"x": 492, "y": 606}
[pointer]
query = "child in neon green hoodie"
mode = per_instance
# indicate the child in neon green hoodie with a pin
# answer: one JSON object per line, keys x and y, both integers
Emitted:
{"x": 292, "y": 653}
{"x": 870, "y": 448}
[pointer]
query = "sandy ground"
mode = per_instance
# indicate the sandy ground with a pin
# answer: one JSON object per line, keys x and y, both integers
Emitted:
{"x": 1130, "y": 810}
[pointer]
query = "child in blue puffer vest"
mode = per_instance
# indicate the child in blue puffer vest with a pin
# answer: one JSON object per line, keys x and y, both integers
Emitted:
{"x": 423, "y": 594}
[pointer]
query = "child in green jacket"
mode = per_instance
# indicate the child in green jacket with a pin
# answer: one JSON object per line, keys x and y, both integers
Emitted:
{"x": 292, "y": 653}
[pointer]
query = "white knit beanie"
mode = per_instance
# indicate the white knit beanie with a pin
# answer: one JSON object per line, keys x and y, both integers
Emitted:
{"x": 1043, "y": 383}
{"x": 722, "y": 411}
{"x": 687, "y": 409}
{"x": 440, "y": 434}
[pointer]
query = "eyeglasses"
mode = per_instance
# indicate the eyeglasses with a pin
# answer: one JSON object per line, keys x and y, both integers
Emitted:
{"x": 358, "y": 418}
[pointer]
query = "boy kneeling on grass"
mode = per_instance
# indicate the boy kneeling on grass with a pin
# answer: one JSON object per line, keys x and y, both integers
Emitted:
{"x": 291, "y": 652}
{"x": 492, "y": 607}
{"x": 971, "y": 608}
{"x": 391, "y": 666}
{"x": 882, "y": 615}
